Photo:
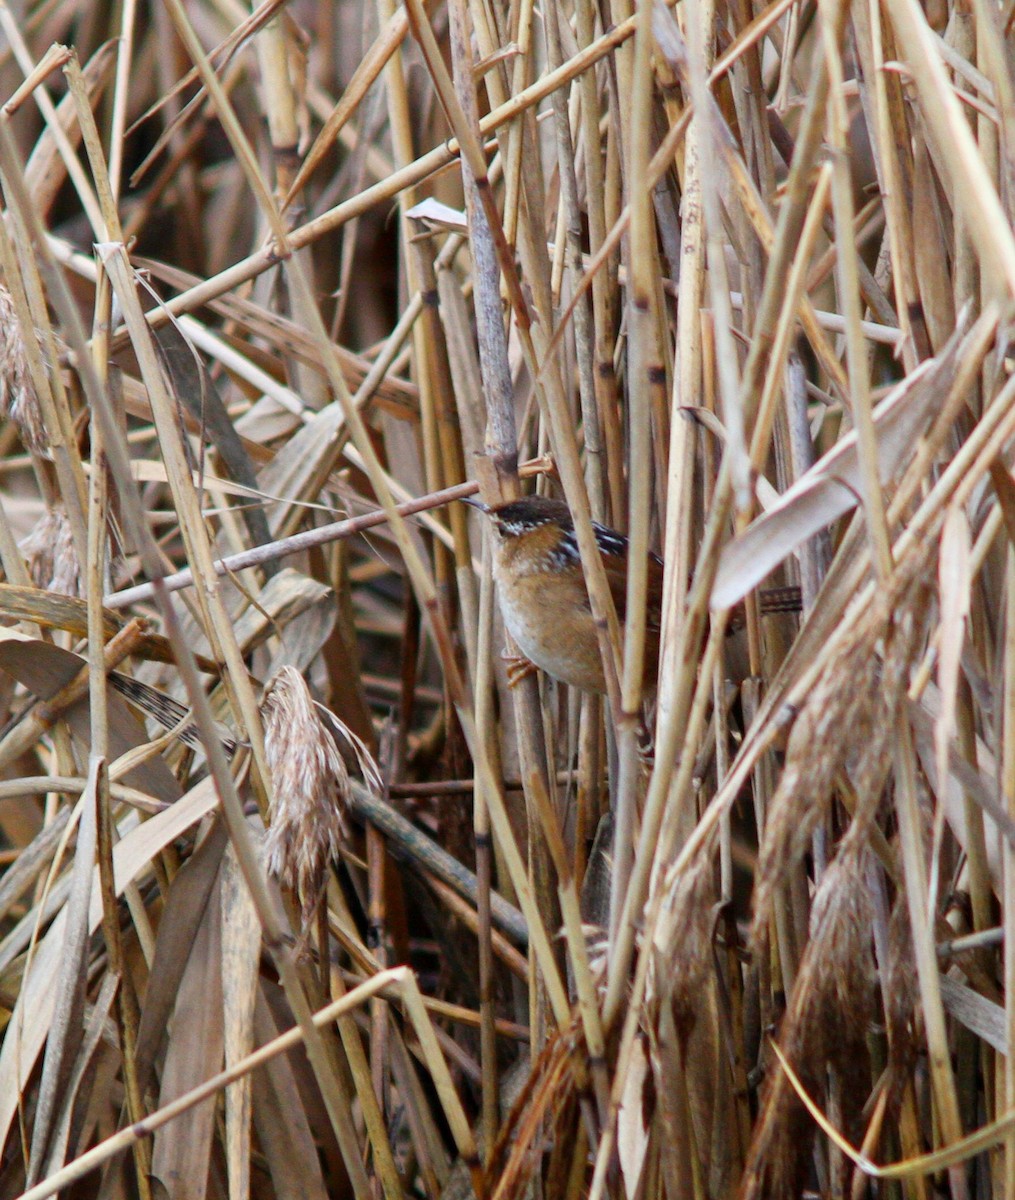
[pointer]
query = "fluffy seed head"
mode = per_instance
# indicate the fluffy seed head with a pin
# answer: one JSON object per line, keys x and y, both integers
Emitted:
{"x": 308, "y": 819}
{"x": 18, "y": 399}
{"x": 49, "y": 553}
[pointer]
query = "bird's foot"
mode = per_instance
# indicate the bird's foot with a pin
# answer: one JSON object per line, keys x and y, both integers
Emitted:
{"x": 518, "y": 668}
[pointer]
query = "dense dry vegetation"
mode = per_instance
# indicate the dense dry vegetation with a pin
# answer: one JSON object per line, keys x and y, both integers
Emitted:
{"x": 298, "y": 898}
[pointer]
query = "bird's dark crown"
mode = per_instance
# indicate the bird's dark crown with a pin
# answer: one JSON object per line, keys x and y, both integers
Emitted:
{"x": 530, "y": 512}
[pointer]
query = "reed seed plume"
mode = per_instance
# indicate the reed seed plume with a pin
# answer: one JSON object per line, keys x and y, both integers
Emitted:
{"x": 310, "y": 780}
{"x": 680, "y": 972}
{"x": 902, "y": 1001}
{"x": 18, "y": 398}
{"x": 50, "y": 555}
{"x": 860, "y": 691}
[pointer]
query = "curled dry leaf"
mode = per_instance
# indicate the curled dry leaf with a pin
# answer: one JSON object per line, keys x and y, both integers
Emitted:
{"x": 45, "y": 669}
{"x": 181, "y": 1151}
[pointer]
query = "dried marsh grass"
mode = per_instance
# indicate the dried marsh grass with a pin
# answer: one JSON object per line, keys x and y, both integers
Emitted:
{"x": 295, "y": 891}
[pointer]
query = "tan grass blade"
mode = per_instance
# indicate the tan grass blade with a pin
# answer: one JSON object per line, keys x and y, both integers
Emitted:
{"x": 181, "y": 1154}
{"x": 67, "y": 1029}
{"x": 132, "y": 857}
{"x": 186, "y": 903}
{"x": 280, "y": 1121}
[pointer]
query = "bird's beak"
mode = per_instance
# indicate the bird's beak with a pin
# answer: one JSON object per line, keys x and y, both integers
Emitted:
{"x": 475, "y": 502}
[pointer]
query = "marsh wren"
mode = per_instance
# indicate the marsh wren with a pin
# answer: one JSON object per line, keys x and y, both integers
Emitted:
{"x": 544, "y": 598}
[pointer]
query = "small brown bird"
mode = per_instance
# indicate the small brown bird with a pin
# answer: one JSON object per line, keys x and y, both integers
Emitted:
{"x": 544, "y": 598}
